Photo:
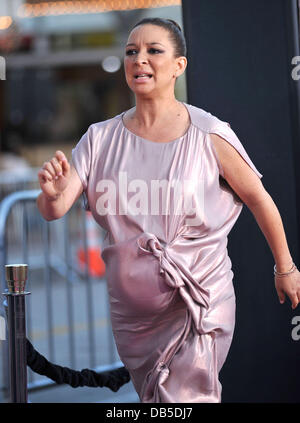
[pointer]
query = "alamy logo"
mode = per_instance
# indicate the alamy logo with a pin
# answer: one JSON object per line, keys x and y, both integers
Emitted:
{"x": 159, "y": 197}
{"x": 296, "y": 329}
{"x": 2, "y": 68}
{"x": 296, "y": 70}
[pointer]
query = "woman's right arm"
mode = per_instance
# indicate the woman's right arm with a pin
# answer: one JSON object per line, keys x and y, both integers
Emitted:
{"x": 61, "y": 187}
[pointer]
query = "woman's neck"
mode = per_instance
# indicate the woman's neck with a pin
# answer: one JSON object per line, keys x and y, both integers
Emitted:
{"x": 150, "y": 111}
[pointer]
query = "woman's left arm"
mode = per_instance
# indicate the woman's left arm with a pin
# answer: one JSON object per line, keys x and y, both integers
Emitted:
{"x": 251, "y": 191}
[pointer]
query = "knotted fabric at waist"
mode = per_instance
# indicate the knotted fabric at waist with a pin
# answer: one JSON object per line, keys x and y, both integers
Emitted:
{"x": 176, "y": 275}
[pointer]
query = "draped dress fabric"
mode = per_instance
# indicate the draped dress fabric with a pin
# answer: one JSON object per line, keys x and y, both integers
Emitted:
{"x": 169, "y": 276}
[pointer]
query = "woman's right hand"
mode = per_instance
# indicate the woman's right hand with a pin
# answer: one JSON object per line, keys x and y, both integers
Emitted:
{"x": 55, "y": 176}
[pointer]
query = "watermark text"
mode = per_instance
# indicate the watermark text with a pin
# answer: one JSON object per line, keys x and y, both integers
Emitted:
{"x": 296, "y": 329}
{"x": 2, "y": 68}
{"x": 155, "y": 197}
{"x": 296, "y": 69}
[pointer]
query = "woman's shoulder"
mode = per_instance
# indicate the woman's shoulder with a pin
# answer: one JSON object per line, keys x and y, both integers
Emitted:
{"x": 204, "y": 120}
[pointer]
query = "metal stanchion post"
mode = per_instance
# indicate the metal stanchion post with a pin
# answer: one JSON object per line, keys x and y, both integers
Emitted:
{"x": 16, "y": 277}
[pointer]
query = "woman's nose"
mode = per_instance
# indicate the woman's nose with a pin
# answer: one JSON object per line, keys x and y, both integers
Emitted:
{"x": 141, "y": 58}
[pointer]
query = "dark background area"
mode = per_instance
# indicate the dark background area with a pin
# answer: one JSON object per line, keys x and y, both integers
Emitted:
{"x": 239, "y": 69}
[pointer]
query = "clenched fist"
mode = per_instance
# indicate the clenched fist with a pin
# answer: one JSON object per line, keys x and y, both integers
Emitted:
{"x": 54, "y": 176}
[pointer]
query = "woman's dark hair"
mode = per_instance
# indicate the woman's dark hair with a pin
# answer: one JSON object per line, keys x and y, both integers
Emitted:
{"x": 176, "y": 35}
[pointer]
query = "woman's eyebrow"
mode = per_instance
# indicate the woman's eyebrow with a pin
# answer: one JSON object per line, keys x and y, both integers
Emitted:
{"x": 150, "y": 44}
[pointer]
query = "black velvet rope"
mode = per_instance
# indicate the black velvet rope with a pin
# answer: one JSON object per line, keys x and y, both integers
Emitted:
{"x": 113, "y": 379}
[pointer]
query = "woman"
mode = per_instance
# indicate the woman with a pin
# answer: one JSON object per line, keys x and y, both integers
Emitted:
{"x": 167, "y": 181}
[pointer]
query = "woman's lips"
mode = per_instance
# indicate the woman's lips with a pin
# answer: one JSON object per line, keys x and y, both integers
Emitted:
{"x": 142, "y": 78}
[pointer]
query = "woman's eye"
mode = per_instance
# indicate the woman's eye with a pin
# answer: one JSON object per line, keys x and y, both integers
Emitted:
{"x": 151, "y": 51}
{"x": 130, "y": 52}
{"x": 154, "y": 51}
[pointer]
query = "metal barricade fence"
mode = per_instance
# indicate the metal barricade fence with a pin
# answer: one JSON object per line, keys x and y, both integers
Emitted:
{"x": 68, "y": 310}
{"x": 12, "y": 180}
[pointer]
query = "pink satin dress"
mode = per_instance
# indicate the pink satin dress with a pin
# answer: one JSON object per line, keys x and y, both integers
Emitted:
{"x": 168, "y": 273}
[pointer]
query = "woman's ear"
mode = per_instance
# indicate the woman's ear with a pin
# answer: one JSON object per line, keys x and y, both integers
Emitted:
{"x": 181, "y": 64}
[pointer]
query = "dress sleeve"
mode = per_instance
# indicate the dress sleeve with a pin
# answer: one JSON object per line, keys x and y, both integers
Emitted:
{"x": 81, "y": 160}
{"x": 224, "y": 130}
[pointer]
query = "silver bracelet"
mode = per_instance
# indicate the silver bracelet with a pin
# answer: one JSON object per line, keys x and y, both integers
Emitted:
{"x": 280, "y": 274}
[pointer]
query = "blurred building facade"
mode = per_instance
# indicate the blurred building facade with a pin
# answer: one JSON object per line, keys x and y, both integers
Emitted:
{"x": 64, "y": 70}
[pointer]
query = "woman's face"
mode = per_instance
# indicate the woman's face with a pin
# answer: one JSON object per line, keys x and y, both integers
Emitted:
{"x": 150, "y": 65}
